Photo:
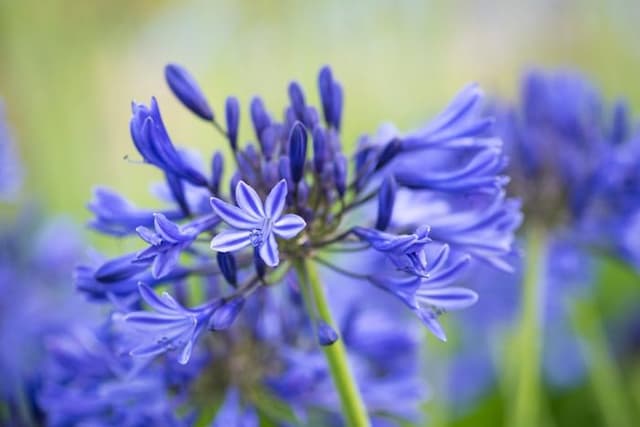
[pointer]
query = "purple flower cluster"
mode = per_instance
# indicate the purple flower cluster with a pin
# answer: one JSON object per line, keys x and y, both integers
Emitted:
{"x": 427, "y": 203}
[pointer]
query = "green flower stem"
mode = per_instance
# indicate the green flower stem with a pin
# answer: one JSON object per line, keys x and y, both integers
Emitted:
{"x": 606, "y": 382}
{"x": 527, "y": 407}
{"x": 353, "y": 408}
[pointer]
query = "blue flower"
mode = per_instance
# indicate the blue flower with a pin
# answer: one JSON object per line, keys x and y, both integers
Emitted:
{"x": 256, "y": 224}
{"x": 169, "y": 240}
{"x": 171, "y": 327}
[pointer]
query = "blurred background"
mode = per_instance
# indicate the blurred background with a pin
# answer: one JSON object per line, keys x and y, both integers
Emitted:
{"x": 69, "y": 70}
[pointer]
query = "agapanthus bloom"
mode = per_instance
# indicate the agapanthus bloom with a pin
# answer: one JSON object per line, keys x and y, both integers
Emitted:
{"x": 427, "y": 204}
{"x": 574, "y": 162}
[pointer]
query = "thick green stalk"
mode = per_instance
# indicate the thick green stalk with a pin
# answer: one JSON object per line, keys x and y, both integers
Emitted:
{"x": 353, "y": 408}
{"x": 527, "y": 377}
{"x": 607, "y": 384}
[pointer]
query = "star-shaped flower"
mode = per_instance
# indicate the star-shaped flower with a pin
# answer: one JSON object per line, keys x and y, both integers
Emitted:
{"x": 256, "y": 224}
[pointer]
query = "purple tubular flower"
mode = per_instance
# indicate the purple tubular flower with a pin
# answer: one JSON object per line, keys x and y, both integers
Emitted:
{"x": 297, "y": 151}
{"x": 116, "y": 216}
{"x": 386, "y": 199}
{"x": 256, "y": 224}
{"x": 232, "y": 116}
{"x": 152, "y": 141}
{"x": 170, "y": 327}
{"x": 169, "y": 240}
{"x": 186, "y": 89}
{"x": 481, "y": 174}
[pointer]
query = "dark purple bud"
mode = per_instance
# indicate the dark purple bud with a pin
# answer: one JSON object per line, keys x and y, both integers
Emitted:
{"x": 232, "y": 115}
{"x": 186, "y": 89}
{"x": 227, "y": 264}
{"x": 217, "y": 167}
{"x": 620, "y": 127}
{"x": 386, "y": 199}
{"x": 297, "y": 151}
{"x": 226, "y": 314}
{"x": 326, "y": 334}
{"x": 261, "y": 267}
{"x": 296, "y": 96}
{"x": 319, "y": 149}
{"x": 119, "y": 268}
{"x": 340, "y": 174}
{"x": 259, "y": 116}
{"x": 268, "y": 140}
{"x": 389, "y": 151}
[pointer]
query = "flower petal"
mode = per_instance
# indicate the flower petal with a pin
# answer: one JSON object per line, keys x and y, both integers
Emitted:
{"x": 274, "y": 205}
{"x": 166, "y": 304}
{"x": 166, "y": 229}
{"x": 231, "y": 240}
{"x": 430, "y": 320}
{"x": 234, "y": 216}
{"x": 249, "y": 201}
{"x": 447, "y": 298}
{"x": 269, "y": 251}
{"x": 289, "y": 226}
{"x": 165, "y": 262}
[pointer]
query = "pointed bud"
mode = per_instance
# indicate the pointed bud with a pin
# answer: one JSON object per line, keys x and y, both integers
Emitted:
{"x": 261, "y": 267}
{"x": 393, "y": 148}
{"x": 226, "y": 314}
{"x": 227, "y": 265}
{"x": 217, "y": 167}
{"x": 326, "y": 334}
{"x": 296, "y": 97}
{"x": 337, "y": 105}
{"x": 331, "y": 97}
{"x": 318, "y": 149}
{"x": 297, "y": 151}
{"x": 386, "y": 199}
{"x": 186, "y": 89}
{"x": 259, "y": 116}
{"x": 232, "y": 115}
{"x": 340, "y": 174}
{"x": 119, "y": 268}
{"x": 268, "y": 140}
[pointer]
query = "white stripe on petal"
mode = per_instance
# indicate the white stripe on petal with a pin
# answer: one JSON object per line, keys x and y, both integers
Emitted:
{"x": 269, "y": 251}
{"x": 231, "y": 240}
{"x": 249, "y": 201}
{"x": 289, "y": 226}
{"x": 274, "y": 204}
{"x": 447, "y": 298}
{"x": 233, "y": 215}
